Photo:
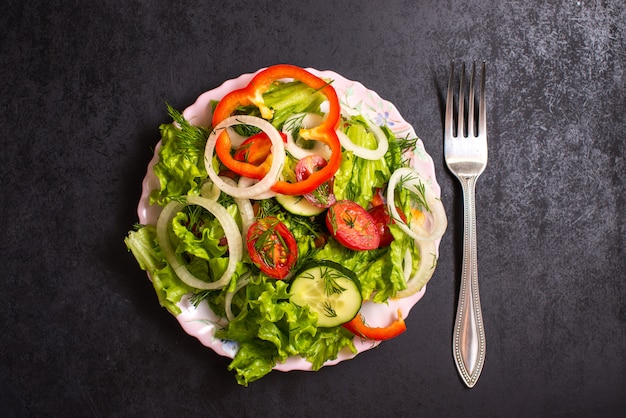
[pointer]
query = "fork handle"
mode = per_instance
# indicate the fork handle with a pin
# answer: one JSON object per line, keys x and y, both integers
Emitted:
{"x": 468, "y": 342}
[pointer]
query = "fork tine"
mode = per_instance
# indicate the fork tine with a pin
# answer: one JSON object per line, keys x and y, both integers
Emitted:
{"x": 461, "y": 106}
{"x": 471, "y": 117}
{"x": 482, "y": 105}
{"x": 449, "y": 120}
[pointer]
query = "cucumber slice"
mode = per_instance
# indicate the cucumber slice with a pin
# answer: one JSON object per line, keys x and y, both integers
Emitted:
{"x": 298, "y": 205}
{"x": 329, "y": 290}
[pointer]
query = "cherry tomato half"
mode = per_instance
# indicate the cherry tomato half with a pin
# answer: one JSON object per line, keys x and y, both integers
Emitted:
{"x": 272, "y": 247}
{"x": 352, "y": 226}
{"x": 323, "y": 195}
{"x": 382, "y": 219}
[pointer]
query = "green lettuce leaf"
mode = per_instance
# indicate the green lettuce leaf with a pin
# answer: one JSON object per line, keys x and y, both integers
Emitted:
{"x": 380, "y": 271}
{"x": 269, "y": 329}
{"x": 169, "y": 288}
{"x": 180, "y": 168}
{"x": 358, "y": 178}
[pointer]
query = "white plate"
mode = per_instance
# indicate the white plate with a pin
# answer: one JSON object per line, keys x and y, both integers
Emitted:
{"x": 200, "y": 321}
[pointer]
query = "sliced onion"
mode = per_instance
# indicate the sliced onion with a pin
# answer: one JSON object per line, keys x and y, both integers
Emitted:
{"x": 428, "y": 259}
{"x": 411, "y": 179}
{"x": 233, "y": 237}
{"x": 309, "y": 120}
{"x": 407, "y": 265}
{"x": 235, "y": 139}
{"x": 247, "y": 182}
{"x": 245, "y": 209}
{"x": 228, "y": 299}
{"x": 366, "y": 153}
{"x": 209, "y": 190}
{"x": 278, "y": 156}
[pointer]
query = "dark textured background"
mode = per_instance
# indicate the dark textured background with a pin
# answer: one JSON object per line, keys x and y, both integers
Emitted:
{"x": 82, "y": 93}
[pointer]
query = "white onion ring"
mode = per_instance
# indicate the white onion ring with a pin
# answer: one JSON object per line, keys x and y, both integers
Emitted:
{"x": 247, "y": 182}
{"x": 407, "y": 265}
{"x": 309, "y": 120}
{"x": 245, "y": 209}
{"x": 412, "y": 180}
{"x": 424, "y": 271}
{"x": 209, "y": 190}
{"x": 278, "y": 156}
{"x": 233, "y": 237}
{"x": 366, "y": 153}
{"x": 229, "y": 298}
{"x": 235, "y": 139}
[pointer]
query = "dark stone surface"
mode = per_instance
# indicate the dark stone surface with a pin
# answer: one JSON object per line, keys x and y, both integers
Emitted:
{"x": 82, "y": 95}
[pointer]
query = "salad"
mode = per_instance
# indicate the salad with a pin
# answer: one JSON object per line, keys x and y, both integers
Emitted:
{"x": 278, "y": 220}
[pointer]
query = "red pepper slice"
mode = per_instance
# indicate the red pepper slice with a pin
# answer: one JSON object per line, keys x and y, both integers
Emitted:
{"x": 252, "y": 94}
{"x": 256, "y": 150}
{"x": 358, "y": 327}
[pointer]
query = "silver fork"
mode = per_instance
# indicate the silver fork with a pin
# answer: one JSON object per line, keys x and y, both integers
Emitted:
{"x": 466, "y": 156}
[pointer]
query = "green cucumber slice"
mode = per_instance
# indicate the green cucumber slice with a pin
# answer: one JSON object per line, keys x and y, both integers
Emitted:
{"x": 330, "y": 291}
{"x": 298, "y": 205}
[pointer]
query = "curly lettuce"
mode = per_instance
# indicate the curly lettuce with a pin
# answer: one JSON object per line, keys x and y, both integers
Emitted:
{"x": 358, "y": 178}
{"x": 269, "y": 329}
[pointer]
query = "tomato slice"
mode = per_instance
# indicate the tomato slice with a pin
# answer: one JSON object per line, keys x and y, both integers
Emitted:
{"x": 352, "y": 226}
{"x": 323, "y": 195}
{"x": 272, "y": 247}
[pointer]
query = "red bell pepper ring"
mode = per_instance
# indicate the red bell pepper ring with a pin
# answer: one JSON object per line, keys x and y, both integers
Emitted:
{"x": 252, "y": 94}
{"x": 358, "y": 327}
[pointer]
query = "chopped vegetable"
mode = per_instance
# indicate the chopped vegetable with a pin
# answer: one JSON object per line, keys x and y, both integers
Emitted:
{"x": 352, "y": 226}
{"x": 255, "y": 149}
{"x": 268, "y": 178}
{"x": 358, "y": 327}
{"x": 298, "y": 205}
{"x": 322, "y": 196}
{"x": 381, "y": 217}
{"x": 272, "y": 247}
{"x": 328, "y": 290}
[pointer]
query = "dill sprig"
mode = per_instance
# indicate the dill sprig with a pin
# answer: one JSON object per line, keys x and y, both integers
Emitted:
{"x": 225, "y": 200}
{"x": 328, "y": 310}
{"x": 192, "y": 138}
{"x": 268, "y": 207}
{"x": 330, "y": 277}
{"x": 399, "y": 149}
{"x": 417, "y": 194}
{"x": 322, "y": 193}
{"x": 294, "y": 124}
{"x": 311, "y": 224}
